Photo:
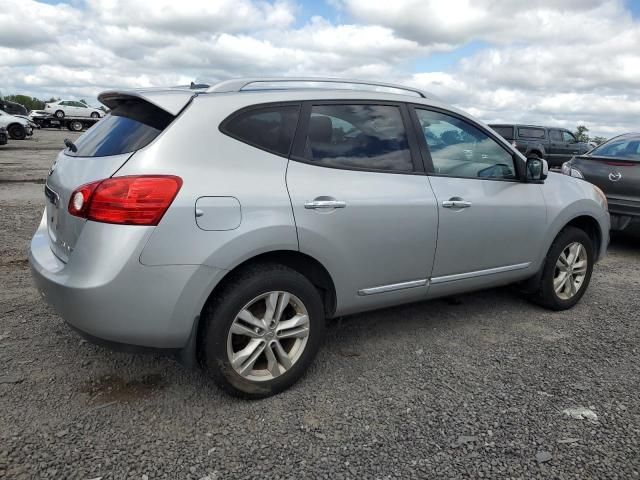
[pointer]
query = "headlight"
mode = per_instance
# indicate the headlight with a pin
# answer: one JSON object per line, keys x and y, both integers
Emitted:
{"x": 567, "y": 169}
{"x": 576, "y": 173}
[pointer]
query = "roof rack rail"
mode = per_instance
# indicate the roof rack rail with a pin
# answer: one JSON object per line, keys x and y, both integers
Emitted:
{"x": 240, "y": 84}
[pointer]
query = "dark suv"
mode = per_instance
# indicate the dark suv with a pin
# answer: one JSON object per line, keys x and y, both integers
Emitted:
{"x": 556, "y": 145}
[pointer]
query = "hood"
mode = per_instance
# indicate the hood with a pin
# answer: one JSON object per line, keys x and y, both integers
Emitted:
{"x": 7, "y": 119}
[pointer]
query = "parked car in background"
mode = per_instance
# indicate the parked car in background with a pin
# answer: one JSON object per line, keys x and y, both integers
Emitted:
{"x": 13, "y": 108}
{"x": 18, "y": 128}
{"x": 289, "y": 205}
{"x": 4, "y": 136}
{"x": 613, "y": 166}
{"x": 72, "y": 108}
{"x": 556, "y": 145}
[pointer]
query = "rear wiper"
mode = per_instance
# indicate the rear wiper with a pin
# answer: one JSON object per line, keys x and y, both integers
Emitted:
{"x": 70, "y": 145}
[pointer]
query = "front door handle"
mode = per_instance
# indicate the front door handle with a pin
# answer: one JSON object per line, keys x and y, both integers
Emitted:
{"x": 315, "y": 204}
{"x": 456, "y": 203}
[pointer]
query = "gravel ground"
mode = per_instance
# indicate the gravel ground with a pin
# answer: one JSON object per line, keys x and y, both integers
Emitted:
{"x": 474, "y": 386}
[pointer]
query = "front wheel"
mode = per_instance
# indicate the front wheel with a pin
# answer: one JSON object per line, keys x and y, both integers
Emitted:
{"x": 75, "y": 126}
{"x": 17, "y": 132}
{"x": 567, "y": 270}
{"x": 95, "y": 115}
{"x": 262, "y": 331}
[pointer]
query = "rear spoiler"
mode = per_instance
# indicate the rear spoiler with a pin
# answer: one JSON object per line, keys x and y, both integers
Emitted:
{"x": 170, "y": 100}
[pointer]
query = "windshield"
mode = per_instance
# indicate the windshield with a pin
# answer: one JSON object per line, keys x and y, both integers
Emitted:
{"x": 627, "y": 148}
{"x": 130, "y": 126}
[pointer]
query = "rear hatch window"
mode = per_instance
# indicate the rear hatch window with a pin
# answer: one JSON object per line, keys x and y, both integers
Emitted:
{"x": 130, "y": 126}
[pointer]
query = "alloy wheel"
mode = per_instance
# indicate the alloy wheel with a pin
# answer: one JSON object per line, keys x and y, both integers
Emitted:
{"x": 570, "y": 271}
{"x": 268, "y": 336}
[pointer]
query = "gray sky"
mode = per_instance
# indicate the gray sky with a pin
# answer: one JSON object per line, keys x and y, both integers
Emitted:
{"x": 556, "y": 62}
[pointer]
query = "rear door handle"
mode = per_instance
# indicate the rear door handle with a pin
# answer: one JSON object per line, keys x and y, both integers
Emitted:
{"x": 456, "y": 203}
{"x": 315, "y": 204}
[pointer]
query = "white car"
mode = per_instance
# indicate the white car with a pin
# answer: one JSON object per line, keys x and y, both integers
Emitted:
{"x": 17, "y": 127}
{"x": 71, "y": 108}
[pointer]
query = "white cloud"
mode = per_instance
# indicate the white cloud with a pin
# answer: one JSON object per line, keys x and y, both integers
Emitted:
{"x": 546, "y": 61}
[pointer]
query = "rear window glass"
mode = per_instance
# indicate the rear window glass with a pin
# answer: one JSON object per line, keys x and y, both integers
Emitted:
{"x": 130, "y": 126}
{"x": 531, "y": 132}
{"x": 268, "y": 128}
{"x": 369, "y": 137}
{"x": 504, "y": 132}
{"x": 627, "y": 148}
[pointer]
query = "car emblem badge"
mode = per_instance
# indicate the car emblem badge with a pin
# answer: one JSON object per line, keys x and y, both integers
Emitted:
{"x": 614, "y": 177}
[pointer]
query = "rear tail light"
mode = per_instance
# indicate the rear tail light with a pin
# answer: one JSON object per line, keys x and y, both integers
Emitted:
{"x": 132, "y": 200}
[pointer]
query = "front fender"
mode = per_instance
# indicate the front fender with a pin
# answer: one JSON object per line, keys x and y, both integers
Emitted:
{"x": 567, "y": 199}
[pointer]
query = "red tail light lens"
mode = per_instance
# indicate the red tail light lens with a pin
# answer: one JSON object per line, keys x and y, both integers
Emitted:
{"x": 133, "y": 200}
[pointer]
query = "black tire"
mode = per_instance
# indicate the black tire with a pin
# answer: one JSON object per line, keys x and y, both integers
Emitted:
{"x": 17, "y": 132}
{"x": 95, "y": 115}
{"x": 221, "y": 311}
{"x": 75, "y": 126}
{"x": 59, "y": 114}
{"x": 546, "y": 294}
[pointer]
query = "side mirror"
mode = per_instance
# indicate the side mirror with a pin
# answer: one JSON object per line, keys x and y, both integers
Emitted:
{"x": 537, "y": 169}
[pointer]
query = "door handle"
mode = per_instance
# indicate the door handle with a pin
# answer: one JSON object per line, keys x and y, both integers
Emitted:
{"x": 324, "y": 204}
{"x": 456, "y": 203}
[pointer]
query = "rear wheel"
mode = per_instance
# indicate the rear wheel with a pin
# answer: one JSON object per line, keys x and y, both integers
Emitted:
{"x": 59, "y": 114}
{"x": 17, "y": 132}
{"x": 262, "y": 331}
{"x": 76, "y": 126}
{"x": 567, "y": 270}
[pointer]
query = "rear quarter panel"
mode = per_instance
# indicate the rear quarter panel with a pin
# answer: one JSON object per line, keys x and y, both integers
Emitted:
{"x": 213, "y": 164}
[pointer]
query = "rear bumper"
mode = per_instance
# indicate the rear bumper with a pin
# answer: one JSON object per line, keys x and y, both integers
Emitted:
{"x": 106, "y": 293}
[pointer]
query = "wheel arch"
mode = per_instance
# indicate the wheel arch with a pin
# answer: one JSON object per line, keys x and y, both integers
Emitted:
{"x": 584, "y": 222}
{"x": 537, "y": 150}
{"x": 305, "y": 264}
{"x": 318, "y": 275}
{"x": 591, "y": 227}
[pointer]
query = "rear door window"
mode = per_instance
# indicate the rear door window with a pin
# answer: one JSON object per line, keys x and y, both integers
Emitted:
{"x": 269, "y": 128}
{"x": 526, "y": 132}
{"x": 358, "y": 136}
{"x": 130, "y": 126}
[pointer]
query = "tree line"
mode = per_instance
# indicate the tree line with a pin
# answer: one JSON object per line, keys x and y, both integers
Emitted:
{"x": 582, "y": 136}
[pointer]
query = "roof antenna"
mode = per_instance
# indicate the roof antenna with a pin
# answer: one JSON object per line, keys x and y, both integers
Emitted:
{"x": 195, "y": 86}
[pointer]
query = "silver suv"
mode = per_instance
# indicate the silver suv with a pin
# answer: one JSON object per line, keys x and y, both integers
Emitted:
{"x": 228, "y": 222}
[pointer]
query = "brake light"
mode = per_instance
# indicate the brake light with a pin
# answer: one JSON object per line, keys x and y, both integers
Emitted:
{"x": 131, "y": 200}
